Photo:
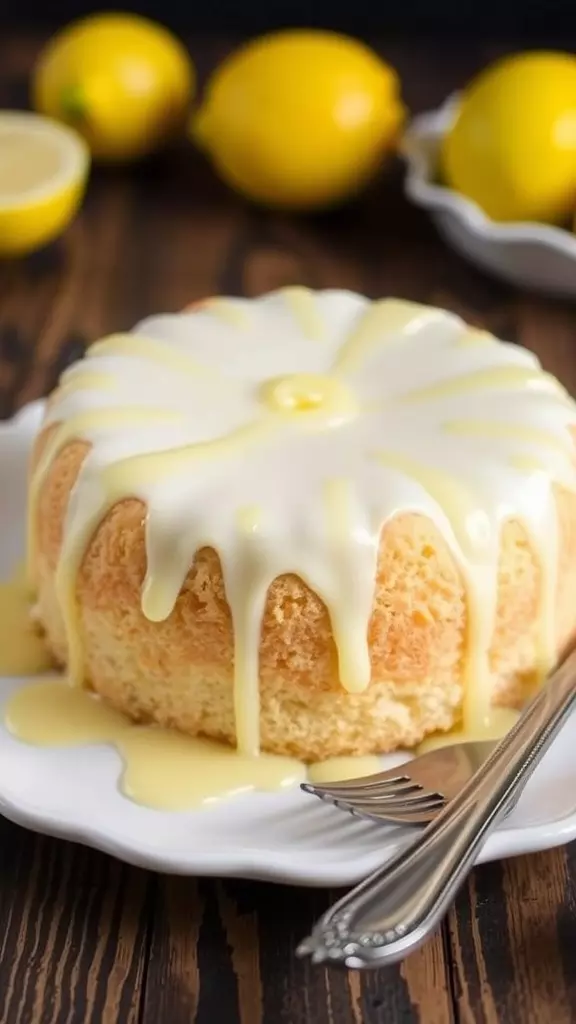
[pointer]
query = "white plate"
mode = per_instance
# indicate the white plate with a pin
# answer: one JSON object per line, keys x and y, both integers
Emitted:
{"x": 531, "y": 255}
{"x": 288, "y": 837}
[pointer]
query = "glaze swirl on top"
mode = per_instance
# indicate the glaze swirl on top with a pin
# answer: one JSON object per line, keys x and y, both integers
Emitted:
{"x": 285, "y": 432}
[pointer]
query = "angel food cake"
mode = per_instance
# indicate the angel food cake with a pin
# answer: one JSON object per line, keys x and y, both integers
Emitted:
{"x": 308, "y": 524}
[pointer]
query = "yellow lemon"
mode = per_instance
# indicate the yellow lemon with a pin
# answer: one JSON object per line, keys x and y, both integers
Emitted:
{"x": 43, "y": 170}
{"x": 299, "y": 118}
{"x": 122, "y": 81}
{"x": 512, "y": 148}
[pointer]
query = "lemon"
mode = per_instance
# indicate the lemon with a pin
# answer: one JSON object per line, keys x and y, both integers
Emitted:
{"x": 122, "y": 81}
{"x": 43, "y": 170}
{"x": 299, "y": 118}
{"x": 512, "y": 148}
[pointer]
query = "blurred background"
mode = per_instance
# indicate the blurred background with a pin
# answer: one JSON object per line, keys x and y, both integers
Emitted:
{"x": 209, "y": 175}
{"x": 412, "y": 16}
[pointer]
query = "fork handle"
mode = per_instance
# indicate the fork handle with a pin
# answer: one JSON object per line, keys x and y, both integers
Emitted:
{"x": 395, "y": 909}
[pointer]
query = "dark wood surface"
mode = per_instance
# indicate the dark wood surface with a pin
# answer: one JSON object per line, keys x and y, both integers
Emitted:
{"x": 87, "y": 940}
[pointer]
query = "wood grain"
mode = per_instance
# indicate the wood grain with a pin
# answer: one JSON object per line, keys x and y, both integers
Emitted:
{"x": 73, "y": 926}
{"x": 509, "y": 950}
{"x": 85, "y": 940}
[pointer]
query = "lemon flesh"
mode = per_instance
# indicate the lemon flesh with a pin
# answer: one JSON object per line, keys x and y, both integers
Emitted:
{"x": 512, "y": 147}
{"x": 300, "y": 118}
{"x": 43, "y": 170}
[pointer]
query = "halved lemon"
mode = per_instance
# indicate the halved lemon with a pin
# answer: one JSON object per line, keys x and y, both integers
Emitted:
{"x": 43, "y": 171}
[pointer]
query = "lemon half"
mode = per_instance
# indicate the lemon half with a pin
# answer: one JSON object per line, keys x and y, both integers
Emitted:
{"x": 43, "y": 171}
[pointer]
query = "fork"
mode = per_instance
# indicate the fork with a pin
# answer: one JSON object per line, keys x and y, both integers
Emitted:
{"x": 410, "y": 794}
{"x": 400, "y": 904}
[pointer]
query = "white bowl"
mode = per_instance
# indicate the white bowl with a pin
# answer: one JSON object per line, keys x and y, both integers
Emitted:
{"x": 528, "y": 254}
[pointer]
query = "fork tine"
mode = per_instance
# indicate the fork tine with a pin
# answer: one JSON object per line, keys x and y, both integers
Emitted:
{"x": 417, "y": 807}
{"x": 401, "y": 800}
{"x": 390, "y": 797}
{"x": 424, "y": 802}
{"x": 418, "y": 815}
{"x": 422, "y": 817}
{"x": 352, "y": 792}
{"x": 367, "y": 782}
{"x": 401, "y": 782}
{"x": 390, "y": 805}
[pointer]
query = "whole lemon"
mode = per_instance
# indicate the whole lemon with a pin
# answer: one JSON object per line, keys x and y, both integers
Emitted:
{"x": 125, "y": 83}
{"x": 299, "y": 118}
{"x": 512, "y": 147}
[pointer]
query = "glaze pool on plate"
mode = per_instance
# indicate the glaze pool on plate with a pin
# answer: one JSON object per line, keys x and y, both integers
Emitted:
{"x": 161, "y": 768}
{"x": 288, "y": 837}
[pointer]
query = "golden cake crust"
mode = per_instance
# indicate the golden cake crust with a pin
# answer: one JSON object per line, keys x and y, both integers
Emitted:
{"x": 180, "y": 672}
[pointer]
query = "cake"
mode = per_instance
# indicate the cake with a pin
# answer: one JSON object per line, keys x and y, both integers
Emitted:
{"x": 308, "y": 524}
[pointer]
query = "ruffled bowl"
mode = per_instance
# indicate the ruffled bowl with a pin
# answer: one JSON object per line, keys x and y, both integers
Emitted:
{"x": 528, "y": 254}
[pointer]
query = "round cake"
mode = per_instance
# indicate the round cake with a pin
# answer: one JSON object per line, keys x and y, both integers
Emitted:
{"x": 308, "y": 524}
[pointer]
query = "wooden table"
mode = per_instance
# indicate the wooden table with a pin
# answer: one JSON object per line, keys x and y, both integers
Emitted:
{"x": 85, "y": 939}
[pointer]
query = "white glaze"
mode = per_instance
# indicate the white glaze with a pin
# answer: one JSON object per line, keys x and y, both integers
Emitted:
{"x": 419, "y": 413}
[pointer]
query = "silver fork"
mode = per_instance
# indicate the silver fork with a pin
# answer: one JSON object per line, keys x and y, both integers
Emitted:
{"x": 413, "y": 793}
{"x": 395, "y": 909}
